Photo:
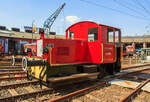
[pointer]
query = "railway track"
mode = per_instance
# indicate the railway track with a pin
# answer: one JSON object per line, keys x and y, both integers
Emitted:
{"x": 12, "y": 73}
{"x": 27, "y": 92}
{"x": 10, "y": 67}
{"x": 50, "y": 92}
{"x": 85, "y": 92}
{"x": 17, "y": 74}
{"x": 8, "y": 64}
{"x": 31, "y": 91}
{"x": 12, "y": 78}
{"x": 5, "y": 59}
{"x": 20, "y": 84}
{"x": 13, "y": 84}
{"x": 133, "y": 93}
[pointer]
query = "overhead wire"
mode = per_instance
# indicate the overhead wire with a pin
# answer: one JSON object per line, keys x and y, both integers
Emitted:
{"x": 128, "y": 7}
{"x": 112, "y": 9}
{"x": 147, "y": 2}
{"x": 141, "y": 5}
{"x": 147, "y": 11}
{"x": 147, "y": 27}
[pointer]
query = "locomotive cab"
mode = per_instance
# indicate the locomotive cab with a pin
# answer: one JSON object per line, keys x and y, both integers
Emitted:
{"x": 104, "y": 43}
{"x": 90, "y": 49}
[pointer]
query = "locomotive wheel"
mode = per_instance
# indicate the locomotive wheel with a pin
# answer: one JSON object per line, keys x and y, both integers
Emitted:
{"x": 101, "y": 70}
{"x": 80, "y": 69}
{"x": 111, "y": 68}
{"x": 117, "y": 66}
{"x": 24, "y": 63}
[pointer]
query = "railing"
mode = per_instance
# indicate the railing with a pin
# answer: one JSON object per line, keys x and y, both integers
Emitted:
{"x": 131, "y": 60}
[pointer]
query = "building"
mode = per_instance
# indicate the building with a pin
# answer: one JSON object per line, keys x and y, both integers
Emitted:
{"x": 13, "y": 40}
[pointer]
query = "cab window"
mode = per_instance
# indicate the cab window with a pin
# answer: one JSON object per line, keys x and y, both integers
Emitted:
{"x": 117, "y": 36}
{"x": 110, "y": 35}
{"x": 70, "y": 35}
{"x": 93, "y": 34}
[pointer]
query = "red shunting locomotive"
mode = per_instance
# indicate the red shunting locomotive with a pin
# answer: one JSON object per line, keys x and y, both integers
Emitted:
{"x": 90, "y": 49}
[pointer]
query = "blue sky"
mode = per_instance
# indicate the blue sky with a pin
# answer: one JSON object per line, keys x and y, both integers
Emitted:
{"x": 133, "y": 15}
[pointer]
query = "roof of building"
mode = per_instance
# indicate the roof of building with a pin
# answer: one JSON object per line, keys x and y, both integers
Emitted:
{"x": 139, "y": 39}
{"x": 24, "y": 35}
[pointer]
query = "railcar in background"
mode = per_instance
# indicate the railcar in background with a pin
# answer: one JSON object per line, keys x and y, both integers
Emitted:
{"x": 130, "y": 50}
{"x": 90, "y": 49}
{"x": 30, "y": 49}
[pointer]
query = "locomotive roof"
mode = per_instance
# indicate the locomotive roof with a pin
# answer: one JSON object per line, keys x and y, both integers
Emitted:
{"x": 91, "y": 22}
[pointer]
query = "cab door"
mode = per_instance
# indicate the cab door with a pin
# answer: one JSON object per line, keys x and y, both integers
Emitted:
{"x": 109, "y": 47}
{"x": 118, "y": 45}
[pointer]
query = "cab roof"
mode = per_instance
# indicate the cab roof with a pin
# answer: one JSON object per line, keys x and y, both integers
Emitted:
{"x": 88, "y": 22}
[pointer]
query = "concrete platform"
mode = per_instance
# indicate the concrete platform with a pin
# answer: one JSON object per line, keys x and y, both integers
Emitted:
{"x": 129, "y": 84}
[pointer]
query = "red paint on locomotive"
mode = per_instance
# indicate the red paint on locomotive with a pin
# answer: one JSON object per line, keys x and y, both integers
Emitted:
{"x": 86, "y": 42}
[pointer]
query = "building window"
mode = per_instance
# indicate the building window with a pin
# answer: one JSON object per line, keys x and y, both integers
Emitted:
{"x": 93, "y": 34}
{"x": 110, "y": 35}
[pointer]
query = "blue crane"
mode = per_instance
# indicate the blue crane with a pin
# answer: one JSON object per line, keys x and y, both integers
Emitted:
{"x": 50, "y": 20}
